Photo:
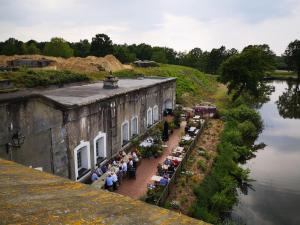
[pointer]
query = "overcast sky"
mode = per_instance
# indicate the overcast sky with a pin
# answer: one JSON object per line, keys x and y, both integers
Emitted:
{"x": 181, "y": 25}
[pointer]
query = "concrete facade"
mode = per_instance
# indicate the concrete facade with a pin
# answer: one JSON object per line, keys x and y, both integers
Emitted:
{"x": 59, "y": 123}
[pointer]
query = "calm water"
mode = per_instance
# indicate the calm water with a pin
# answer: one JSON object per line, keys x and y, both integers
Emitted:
{"x": 276, "y": 169}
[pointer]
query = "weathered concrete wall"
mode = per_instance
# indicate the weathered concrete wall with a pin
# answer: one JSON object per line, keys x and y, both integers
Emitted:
{"x": 44, "y": 144}
{"x": 107, "y": 116}
{"x": 53, "y": 132}
{"x": 32, "y": 197}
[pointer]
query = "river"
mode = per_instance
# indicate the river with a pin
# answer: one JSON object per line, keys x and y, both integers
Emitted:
{"x": 276, "y": 169}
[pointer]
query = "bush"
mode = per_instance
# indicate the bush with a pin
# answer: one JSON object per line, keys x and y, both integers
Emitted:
{"x": 201, "y": 164}
{"x": 218, "y": 192}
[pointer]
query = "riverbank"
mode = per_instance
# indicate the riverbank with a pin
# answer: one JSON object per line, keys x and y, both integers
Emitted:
{"x": 282, "y": 75}
{"x": 182, "y": 193}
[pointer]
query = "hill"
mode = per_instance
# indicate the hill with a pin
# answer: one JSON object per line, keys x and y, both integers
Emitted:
{"x": 90, "y": 64}
{"x": 193, "y": 86}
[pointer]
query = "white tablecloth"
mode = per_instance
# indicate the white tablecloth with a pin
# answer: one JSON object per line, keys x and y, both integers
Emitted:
{"x": 147, "y": 143}
{"x": 156, "y": 178}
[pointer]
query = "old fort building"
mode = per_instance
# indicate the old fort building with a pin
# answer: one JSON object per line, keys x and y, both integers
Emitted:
{"x": 68, "y": 131}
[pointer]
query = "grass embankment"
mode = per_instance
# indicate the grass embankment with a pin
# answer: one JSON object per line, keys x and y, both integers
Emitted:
{"x": 217, "y": 193}
{"x": 42, "y": 78}
{"x": 193, "y": 86}
{"x": 282, "y": 75}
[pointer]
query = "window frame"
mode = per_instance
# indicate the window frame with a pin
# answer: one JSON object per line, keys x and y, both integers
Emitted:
{"x": 149, "y": 122}
{"x": 137, "y": 126}
{"x": 122, "y": 139}
{"x": 99, "y": 136}
{"x": 84, "y": 146}
{"x": 155, "y": 109}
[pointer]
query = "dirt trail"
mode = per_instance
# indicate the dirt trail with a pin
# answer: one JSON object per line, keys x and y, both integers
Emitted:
{"x": 182, "y": 192}
{"x": 89, "y": 64}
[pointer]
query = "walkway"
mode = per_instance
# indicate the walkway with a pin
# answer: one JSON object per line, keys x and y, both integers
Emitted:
{"x": 148, "y": 167}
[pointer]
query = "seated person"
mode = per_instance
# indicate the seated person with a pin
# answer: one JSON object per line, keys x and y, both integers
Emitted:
{"x": 104, "y": 168}
{"x": 115, "y": 181}
{"x": 114, "y": 163}
{"x": 160, "y": 170}
{"x": 99, "y": 172}
{"x": 164, "y": 181}
{"x": 109, "y": 182}
{"x": 94, "y": 176}
{"x": 130, "y": 163}
{"x": 171, "y": 169}
{"x": 124, "y": 167}
{"x": 175, "y": 162}
{"x": 168, "y": 161}
{"x": 120, "y": 175}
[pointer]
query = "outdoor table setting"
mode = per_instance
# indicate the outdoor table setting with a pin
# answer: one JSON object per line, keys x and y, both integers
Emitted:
{"x": 179, "y": 159}
{"x": 156, "y": 178}
{"x": 148, "y": 142}
{"x": 186, "y": 138}
{"x": 179, "y": 149}
{"x": 192, "y": 129}
{"x": 100, "y": 183}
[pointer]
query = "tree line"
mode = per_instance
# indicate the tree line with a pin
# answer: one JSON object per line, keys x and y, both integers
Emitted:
{"x": 101, "y": 45}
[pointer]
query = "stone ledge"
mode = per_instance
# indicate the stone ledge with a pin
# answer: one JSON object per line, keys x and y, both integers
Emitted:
{"x": 28, "y": 196}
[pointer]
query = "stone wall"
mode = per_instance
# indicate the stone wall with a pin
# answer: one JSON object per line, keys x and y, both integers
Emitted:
{"x": 41, "y": 125}
{"x": 52, "y": 132}
{"x": 83, "y": 124}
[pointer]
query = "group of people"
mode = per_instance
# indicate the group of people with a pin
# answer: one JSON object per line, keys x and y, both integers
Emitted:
{"x": 122, "y": 165}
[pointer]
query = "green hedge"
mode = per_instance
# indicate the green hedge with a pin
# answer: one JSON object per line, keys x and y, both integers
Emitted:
{"x": 217, "y": 194}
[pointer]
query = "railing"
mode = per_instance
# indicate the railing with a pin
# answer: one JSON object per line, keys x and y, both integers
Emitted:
{"x": 164, "y": 195}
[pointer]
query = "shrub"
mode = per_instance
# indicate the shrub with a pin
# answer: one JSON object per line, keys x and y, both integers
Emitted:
{"x": 201, "y": 164}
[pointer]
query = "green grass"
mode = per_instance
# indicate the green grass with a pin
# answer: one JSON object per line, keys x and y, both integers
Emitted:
{"x": 42, "y": 78}
{"x": 283, "y": 74}
{"x": 193, "y": 86}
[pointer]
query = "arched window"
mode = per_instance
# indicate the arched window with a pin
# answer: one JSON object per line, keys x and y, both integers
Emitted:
{"x": 82, "y": 159}
{"x": 125, "y": 133}
{"x": 149, "y": 117}
{"x": 100, "y": 152}
{"x": 134, "y": 126}
{"x": 155, "y": 114}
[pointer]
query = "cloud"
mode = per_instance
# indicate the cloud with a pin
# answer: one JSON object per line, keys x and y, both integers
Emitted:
{"x": 177, "y": 24}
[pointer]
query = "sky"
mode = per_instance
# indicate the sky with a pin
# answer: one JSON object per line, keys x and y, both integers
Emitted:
{"x": 181, "y": 25}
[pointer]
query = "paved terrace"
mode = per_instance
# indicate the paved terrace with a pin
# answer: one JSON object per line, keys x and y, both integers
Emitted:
{"x": 136, "y": 188}
{"x": 28, "y": 196}
{"x": 77, "y": 95}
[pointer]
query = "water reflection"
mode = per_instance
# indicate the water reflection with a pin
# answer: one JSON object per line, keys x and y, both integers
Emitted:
{"x": 288, "y": 103}
{"x": 275, "y": 197}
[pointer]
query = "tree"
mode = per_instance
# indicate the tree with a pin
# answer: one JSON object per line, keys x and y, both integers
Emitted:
{"x": 101, "y": 45}
{"x": 123, "y": 54}
{"x": 288, "y": 103}
{"x": 143, "y": 51}
{"x": 245, "y": 71}
{"x": 12, "y": 46}
{"x": 58, "y": 47}
{"x": 31, "y": 49}
{"x": 159, "y": 55}
{"x": 81, "y": 48}
{"x": 292, "y": 56}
